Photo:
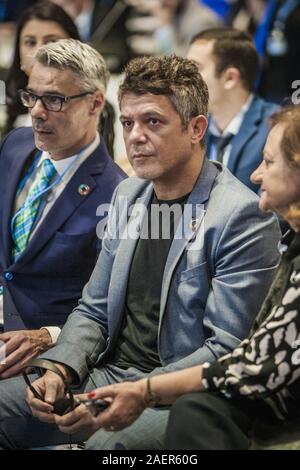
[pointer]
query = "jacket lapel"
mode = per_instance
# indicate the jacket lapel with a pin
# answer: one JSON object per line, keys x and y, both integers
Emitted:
{"x": 66, "y": 204}
{"x": 192, "y": 219}
{"x": 21, "y": 154}
{"x": 248, "y": 128}
{"x": 125, "y": 252}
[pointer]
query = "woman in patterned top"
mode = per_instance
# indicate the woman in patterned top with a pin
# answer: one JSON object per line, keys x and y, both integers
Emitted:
{"x": 259, "y": 382}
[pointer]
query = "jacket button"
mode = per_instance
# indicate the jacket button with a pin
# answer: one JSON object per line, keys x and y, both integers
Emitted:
{"x": 9, "y": 276}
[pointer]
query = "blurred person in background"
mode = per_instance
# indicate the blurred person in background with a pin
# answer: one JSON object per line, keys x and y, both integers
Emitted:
{"x": 37, "y": 26}
{"x": 168, "y": 25}
{"x": 103, "y": 24}
{"x": 41, "y": 24}
{"x": 238, "y": 124}
{"x": 275, "y": 26}
{"x": 82, "y": 13}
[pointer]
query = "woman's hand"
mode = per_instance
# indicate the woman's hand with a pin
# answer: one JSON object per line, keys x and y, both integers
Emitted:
{"x": 127, "y": 402}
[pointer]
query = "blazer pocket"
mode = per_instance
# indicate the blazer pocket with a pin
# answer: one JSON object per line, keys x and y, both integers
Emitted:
{"x": 66, "y": 239}
{"x": 196, "y": 271}
{"x": 72, "y": 255}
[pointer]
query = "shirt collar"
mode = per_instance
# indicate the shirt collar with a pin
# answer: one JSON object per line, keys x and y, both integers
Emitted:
{"x": 61, "y": 166}
{"x": 83, "y": 22}
{"x": 235, "y": 124}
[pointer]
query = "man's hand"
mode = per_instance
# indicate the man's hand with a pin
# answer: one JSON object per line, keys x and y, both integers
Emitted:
{"x": 127, "y": 402}
{"x": 78, "y": 420}
{"x": 20, "y": 347}
{"x": 49, "y": 387}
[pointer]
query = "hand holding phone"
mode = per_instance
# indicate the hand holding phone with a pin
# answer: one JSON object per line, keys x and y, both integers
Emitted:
{"x": 64, "y": 405}
{"x": 95, "y": 405}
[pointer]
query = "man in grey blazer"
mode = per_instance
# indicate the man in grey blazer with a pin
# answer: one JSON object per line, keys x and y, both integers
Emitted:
{"x": 156, "y": 301}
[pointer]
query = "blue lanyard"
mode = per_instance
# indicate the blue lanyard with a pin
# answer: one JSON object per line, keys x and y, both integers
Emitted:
{"x": 262, "y": 30}
{"x": 29, "y": 172}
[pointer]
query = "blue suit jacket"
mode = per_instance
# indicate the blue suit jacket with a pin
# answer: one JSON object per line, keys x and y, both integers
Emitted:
{"x": 247, "y": 146}
{"x": 43, "y": 286}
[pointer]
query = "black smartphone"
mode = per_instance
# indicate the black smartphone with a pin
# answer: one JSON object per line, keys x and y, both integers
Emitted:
{"x": 64, "y": 405}
{"x": 95, "y": 406}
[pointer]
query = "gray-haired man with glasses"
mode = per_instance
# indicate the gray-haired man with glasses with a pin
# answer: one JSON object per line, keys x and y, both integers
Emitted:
{"x": 51, "y": 102}
{"x": 52, "y": 178}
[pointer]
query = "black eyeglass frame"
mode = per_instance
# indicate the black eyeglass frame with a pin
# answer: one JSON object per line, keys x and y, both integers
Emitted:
{"x": 62, "y": 99}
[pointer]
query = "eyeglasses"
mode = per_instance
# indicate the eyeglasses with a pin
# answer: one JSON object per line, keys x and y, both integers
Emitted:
{"x": 50, "y": 102}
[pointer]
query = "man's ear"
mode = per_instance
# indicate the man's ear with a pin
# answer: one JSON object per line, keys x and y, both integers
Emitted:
{"x": 198, "y": 127}
{"x": 97, "y": 102}
{"x": 231, "y": 77}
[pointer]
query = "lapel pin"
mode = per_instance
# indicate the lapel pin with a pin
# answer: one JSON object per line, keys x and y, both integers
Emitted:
{"x": 194, "y": 224}
{"x": 84, "y": 189}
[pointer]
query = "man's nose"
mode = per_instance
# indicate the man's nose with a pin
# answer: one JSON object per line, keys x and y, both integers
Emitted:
{"x": 137, "y": 134}
{"x": 38, "y": 110}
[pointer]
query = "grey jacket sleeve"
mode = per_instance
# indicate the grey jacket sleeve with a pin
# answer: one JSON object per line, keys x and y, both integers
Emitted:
{"x": 84, "y": 336}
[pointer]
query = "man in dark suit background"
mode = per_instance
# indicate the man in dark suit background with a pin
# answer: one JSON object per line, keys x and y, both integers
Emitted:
{"x": 275, "y": 26}
{"x": 53, "y": 178}
{"x": 103, "y": 24}
{"x": 238, "y": 123}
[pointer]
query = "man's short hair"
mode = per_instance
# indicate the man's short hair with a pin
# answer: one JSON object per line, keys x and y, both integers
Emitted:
{"x": 81, "y": 58}
{"x": 172, "y": 76}
{"x": 233, "y": 48}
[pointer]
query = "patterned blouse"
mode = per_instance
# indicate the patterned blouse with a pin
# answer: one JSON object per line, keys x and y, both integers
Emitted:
{"x": 266, "y": 365}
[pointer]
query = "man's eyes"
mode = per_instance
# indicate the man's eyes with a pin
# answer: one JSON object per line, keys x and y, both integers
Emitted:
{"x": 153, "y": 121}
{"x": 126, "y": 124}
{"x": 149, "y": 121}
{"x": 53, "y": 99}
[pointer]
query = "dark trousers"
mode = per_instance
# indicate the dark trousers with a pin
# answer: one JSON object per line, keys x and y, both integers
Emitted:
{"x": 207, "y": 420}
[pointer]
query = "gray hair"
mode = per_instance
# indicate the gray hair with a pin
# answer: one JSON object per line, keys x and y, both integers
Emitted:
{"x": 81, "y": 58}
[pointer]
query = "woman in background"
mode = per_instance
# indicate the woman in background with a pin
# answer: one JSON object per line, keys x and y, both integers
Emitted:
{"x": 40, "y": 24}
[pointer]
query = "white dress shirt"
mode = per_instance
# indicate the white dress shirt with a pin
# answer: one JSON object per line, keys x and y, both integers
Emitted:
{"x": 232, "y": 129}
